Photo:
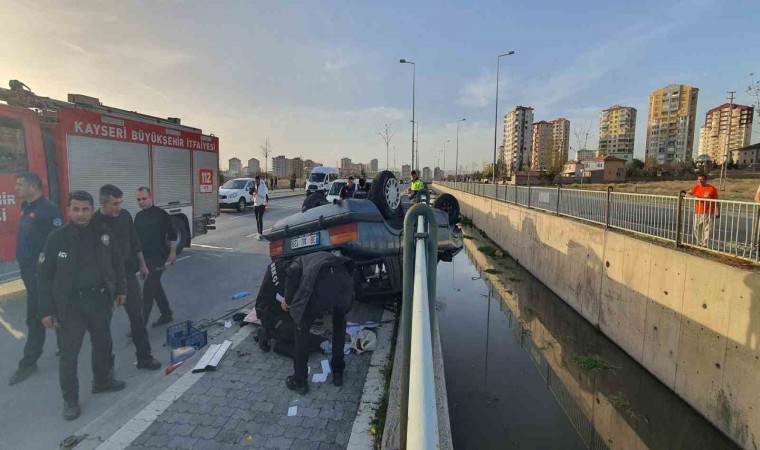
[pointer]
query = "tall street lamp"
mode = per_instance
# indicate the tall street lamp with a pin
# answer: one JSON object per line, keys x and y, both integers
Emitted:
{"x": 496, "y": 114}
{"x": 456, "y": 161}
{"x": 414, "y": 83}
{"x": 444, "y": 158}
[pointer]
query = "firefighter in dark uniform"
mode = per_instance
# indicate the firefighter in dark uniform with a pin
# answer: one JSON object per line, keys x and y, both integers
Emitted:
{"x": 275, "y": 322}
{"x": 81, "y": 280}
{"x": 39, "y": 217}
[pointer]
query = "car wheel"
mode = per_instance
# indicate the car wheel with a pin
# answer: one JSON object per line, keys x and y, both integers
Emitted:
{"x": 450, "y": 205}
{"x": 314, "y": 200}
{"x": 240, "y": 205}
{"x": 183, "y": 233}
{"x": 385, "y": 193}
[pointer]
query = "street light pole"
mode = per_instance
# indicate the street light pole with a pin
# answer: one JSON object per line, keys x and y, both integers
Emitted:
{"x": 456, "y": 161}
{"x": 496, "y": 115}
{"x": 444, "y": 158}
{"x": 414, "y": 88}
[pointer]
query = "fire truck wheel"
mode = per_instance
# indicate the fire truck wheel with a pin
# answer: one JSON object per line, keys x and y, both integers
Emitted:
{"x": 183, "y": 233}
{"x": 240, "y": 205}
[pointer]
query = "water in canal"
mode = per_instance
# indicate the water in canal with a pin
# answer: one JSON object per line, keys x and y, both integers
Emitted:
{"x": 525, "y": 371}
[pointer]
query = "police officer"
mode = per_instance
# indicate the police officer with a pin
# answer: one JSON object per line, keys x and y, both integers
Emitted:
{"x": 39, "y": 217}
{"x": 362, "y": 190}
{"x": 119, "y": 221}
{"x": 415, "y": 186}
{"x": 81, "y": 279}
{"x": 315, "y": 284}
{"x": 275, "y": 322}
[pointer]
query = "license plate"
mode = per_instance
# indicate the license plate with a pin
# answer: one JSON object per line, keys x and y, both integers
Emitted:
{"x": 306, "y": 240}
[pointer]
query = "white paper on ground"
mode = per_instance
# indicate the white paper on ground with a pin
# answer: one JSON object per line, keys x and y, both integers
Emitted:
{"x": 319, "y": 378}
{"x": 326, "y": 367}
{"x": 354, "y": 328}
{"x": 227, "y": 324}
{"x": 252, "y": 318}
{"x": 292, "y": 411}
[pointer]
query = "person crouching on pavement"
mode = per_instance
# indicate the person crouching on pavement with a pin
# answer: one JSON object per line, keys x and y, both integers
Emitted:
{"x": 315, "y": 284}
{"x": 276, "y": 323}
{"x": 80, "y": 281}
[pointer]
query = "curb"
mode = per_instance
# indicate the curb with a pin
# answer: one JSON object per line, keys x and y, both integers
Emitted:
{"x": 374, "y": 387}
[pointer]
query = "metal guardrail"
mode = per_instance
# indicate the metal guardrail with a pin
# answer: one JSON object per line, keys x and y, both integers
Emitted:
{"x": 418, "y": 409}
{"x": 684, "y": 221}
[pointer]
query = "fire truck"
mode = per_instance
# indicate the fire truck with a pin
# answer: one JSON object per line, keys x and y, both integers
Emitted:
{"x": 81, "y": 144}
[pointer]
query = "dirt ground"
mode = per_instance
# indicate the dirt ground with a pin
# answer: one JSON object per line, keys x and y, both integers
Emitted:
{"x": 735, "y": 189}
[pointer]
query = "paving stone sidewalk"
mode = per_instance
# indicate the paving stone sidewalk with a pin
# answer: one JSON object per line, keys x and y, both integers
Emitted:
{"x": 244, "y": 403}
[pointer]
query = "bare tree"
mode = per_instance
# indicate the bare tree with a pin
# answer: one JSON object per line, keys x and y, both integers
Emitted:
{"x": 266, "y": 150}
{"x": 386, "y": 135}
{"x": 581, "y": 133}
{"x": 754, "y": 91}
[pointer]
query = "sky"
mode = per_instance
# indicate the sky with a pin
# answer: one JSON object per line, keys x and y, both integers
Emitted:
{"x": 319, "y": 78}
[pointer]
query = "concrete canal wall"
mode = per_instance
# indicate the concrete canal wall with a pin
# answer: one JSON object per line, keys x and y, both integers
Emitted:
{"x": 692, "y": 322}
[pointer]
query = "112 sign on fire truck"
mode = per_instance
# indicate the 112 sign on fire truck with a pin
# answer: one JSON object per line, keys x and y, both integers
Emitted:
{"x": 81, "y": 144}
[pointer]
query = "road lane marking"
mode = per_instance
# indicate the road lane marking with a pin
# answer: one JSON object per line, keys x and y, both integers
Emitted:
{"x": 9, "y": 328}
{"x": 182, "y": 258}
{"x": 211, "y": 246}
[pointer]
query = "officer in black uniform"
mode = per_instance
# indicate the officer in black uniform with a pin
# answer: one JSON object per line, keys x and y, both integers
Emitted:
{"x": 275, "y": 322}
{"x": 81, "y": 279}
{"x": 119, "y": 221}
{"x": 39, "y": 217}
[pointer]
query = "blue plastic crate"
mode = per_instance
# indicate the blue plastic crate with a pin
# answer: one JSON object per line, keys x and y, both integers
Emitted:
{"x": 184, "y": 335}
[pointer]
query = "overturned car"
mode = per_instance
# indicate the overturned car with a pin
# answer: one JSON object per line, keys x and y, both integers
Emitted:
{"x": 368, "y": 231}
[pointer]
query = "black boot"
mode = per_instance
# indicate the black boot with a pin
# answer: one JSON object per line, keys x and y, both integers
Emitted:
{"x": 263, "y": 339}
{"x": 302, "y": 387}
{"x": 110, "y": 385}
{"x": 148, "y": 364}
{"x": 337, "y": 378}
{"x": 22, "y": 373}
{"x": 71, "y": 410}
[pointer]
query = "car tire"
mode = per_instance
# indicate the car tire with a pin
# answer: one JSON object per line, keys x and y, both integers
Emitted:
{"x": 314, "y": 200}
{"x": 450, "y": 205}
{"x": 385, "y": 193}
{"x": 183, "y": 233}
{"x": 240, "y": 205}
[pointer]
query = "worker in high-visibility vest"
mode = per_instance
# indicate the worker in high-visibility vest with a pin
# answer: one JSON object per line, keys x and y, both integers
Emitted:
{"x": 416, "y": 186}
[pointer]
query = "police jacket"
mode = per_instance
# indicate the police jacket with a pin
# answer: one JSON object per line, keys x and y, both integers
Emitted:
{"x": 320, "y": 282}
{"x": 58, "y": 264}
{"x": 273, "y": 284}
{"x": 38, "y": 219}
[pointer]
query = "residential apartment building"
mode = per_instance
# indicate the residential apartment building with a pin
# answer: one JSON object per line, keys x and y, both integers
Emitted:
{"x": 296, "y": 167}
{"x": 426, "y": 175}
{"x": 518, "y": 139}
{"x": 561, "y": 138}
{"x": 254, "y": 166}
{"x": 617, "y": 132}
{"x": 280, "y": 167}
{"x": 406, "y": 171}
{"x": 584, "y": 154}
{"x": 373, "y": 166}
{"x": 345, "y": 163}
{"x": 236, "y": 167}
{"x": 543, "y": 145}
{"x": 671, "y": 124}
{"x": 714, "y": 135}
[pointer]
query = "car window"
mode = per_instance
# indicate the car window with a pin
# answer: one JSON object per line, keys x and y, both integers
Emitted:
{"x": 317, "y": 177}
{"x": 336, "y": 187}
{"x": 249, "y": 186}
{"x": 234, "y": 184}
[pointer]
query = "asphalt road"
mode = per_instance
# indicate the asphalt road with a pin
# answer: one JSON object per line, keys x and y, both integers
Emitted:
{"x": 200, "y": 285}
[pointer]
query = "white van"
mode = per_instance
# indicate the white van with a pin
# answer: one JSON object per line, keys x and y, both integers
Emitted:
{"x": 321, "y": 178}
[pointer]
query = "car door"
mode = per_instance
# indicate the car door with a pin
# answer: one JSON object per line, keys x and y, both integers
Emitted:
{"x": 248, "y": 195}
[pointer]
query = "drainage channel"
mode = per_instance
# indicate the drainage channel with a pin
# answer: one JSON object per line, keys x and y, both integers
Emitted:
{"x": 525, "y": 371}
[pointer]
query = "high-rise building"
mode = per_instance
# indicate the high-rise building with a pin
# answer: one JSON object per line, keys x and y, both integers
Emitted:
{"x": 671, "y": 122}
{"x": 254, "y": 166}
{"x": 345, "y": 163}
{"x": 426, "y": 174}
{"x": 437, "y": 173}
{"x": 561, "y": 138}
{"x": 373, "y": 165}
{"x": 236, "y": 167}
{"x": 617, "y": 132}
{"x": 518, "y": 139}
{"x": 584, "y": 154}
{"x": 296, "y": 167}
{"x": 543, "y": 145}
{"x": 406, "y": 171}
{"x": 714, "y": 135}
{"x": 281, "y": 167}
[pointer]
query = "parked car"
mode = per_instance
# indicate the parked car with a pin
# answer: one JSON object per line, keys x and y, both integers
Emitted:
{"x": 236, "y": 194}
{"x": 368, "y": 231}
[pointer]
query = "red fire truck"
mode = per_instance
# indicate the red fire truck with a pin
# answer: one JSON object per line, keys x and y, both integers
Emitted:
{"x": 82, "y": 144}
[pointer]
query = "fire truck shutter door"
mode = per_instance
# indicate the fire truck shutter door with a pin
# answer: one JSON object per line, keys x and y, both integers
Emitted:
{"x": 205, "y": 202}
{"x": 95, "y": 162}
{"x": 172, "y": 179}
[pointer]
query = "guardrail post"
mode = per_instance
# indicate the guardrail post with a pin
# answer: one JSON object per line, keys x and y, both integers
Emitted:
{"x": 410, "y": 236}
{"x": 754, "y": 240}
{"x": 608, "y": 207}
{"x": 559, "y": 191}
{"x": 679, "y": 218}
{"x": 528, "y": 191}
